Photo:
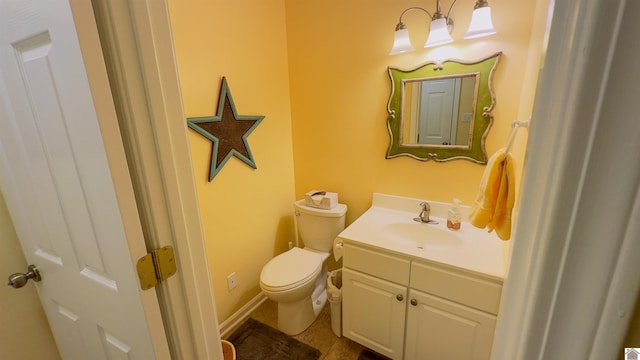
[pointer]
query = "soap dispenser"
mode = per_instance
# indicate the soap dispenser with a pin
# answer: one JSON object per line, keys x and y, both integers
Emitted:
{"x": 454, "y": 217}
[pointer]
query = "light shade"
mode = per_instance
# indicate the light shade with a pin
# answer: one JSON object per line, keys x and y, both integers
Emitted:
{"x": 401, "y": 42}
{"x": 438, "y": 33}
{"x": 481, "y": 24}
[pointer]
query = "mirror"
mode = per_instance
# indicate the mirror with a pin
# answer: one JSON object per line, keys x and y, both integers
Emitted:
{"x": 441, "y": 110}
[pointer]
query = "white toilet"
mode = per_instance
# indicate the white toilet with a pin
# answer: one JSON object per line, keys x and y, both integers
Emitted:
{"x": 297, "y": 279}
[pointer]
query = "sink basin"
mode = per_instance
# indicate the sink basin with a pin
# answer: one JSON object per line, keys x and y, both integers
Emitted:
{"x": 420, "y": 235}
{"x": 388, "y": 226}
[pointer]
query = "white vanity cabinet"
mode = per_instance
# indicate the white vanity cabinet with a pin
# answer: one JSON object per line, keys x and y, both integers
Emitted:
{"x": 367, "y": 295}
{"x": 374, "y": 293}
{"x": 412, "y": 309}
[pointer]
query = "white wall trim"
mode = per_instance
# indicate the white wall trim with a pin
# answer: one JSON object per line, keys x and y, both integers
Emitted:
{"x": 138, "y": 46}
{"x": 234, "y": 321}
{"x": 570, "y": 293}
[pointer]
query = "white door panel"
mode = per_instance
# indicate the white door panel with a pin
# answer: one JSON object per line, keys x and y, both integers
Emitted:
{"x": 438, "y": 111}
{"x": 56, "y": 179}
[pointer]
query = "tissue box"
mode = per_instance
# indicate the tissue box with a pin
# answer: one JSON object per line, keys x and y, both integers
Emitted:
{"x": 321, "y": 199}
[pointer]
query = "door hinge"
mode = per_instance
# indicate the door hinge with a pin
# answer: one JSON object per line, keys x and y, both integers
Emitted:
{"x": 156, "y": 267}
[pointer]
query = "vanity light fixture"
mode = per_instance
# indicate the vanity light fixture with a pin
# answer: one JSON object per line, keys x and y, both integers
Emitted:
{"x": 441, "y": 27}
{"x": 481, "y": 24}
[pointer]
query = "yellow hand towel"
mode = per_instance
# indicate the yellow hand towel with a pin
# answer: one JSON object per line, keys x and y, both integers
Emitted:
{"x": 482, "y": 209}
{"x": 494, "y": 203}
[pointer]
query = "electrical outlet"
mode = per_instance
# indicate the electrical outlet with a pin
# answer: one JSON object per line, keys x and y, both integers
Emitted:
{"x": 466, "y": 117}
{"x": 232, "y": 282}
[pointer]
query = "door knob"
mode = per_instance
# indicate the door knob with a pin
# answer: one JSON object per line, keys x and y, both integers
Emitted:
{"x": 19, "y": 280}
{"x": 399, "y": 297}
{"x": 414, "y": 302}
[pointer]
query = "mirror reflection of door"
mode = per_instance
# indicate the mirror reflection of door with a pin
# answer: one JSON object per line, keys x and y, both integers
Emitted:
{"x": 440, "y": 111}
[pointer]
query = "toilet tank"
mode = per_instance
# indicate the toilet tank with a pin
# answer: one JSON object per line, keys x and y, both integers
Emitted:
{"x": 317, "y": 227}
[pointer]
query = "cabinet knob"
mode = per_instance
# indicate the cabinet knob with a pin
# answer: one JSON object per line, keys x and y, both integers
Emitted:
{"x": 399, "y": 297}
{"x": 414, "y": 302}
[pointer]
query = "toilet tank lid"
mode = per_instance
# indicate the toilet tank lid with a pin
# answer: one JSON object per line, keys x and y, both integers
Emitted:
{"x": 337, "y": 211}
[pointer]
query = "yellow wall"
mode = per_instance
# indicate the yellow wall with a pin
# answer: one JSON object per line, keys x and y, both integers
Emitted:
{"x": 338, "y": 55}
{"x": 246, "y": 213}
{"x": 25, "y": 332}
{"x": 317, "y": 71}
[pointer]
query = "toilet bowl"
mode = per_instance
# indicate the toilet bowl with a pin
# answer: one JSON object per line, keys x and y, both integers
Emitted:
{"x": 297, "y": 279}
{"x": 294, "y": 280}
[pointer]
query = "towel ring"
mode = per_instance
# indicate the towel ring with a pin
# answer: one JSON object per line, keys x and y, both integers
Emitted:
{"x": 514, "y": 130}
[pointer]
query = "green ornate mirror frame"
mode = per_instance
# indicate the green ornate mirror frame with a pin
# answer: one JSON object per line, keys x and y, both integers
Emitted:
{"x": 416, "y": 122}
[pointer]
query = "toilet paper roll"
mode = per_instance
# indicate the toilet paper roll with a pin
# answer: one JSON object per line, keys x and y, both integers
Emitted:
{"x": 338, "y": 249}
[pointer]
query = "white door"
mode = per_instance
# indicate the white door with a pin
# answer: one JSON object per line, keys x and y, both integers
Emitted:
{"x": 58, "y": 183}
{"x": 438, "y": 111}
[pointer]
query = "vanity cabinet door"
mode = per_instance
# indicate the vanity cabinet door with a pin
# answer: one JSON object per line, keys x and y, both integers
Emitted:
{"x": 373, "y": 312}
{"x": 444, "y": 330}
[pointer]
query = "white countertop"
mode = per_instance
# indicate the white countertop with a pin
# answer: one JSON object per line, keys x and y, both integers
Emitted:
{"x": 389, "y": 225}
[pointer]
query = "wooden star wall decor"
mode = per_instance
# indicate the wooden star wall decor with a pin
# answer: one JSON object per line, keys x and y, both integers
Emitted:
{"x": 228, "y": 132}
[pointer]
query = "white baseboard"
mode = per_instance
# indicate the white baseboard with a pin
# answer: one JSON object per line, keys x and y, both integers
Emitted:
{"x": 227, "y": 326}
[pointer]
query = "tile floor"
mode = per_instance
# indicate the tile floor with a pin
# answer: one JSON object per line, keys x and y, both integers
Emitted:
{"x": 318, "y": 335}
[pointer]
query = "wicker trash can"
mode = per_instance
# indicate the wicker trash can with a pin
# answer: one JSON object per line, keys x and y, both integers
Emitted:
{"x": 228, "y": 350}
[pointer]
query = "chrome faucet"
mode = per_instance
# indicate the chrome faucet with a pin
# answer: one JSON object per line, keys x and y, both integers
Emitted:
{"x": 424, "y": 214}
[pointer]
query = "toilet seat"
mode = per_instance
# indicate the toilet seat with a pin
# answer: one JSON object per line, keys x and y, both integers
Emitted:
{"x": 290, "y": 270}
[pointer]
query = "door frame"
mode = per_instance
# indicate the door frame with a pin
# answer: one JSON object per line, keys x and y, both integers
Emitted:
{"x": 572, "y": 285}
{"x": 542, "y": 270}
{"x": 136, "y": 41}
